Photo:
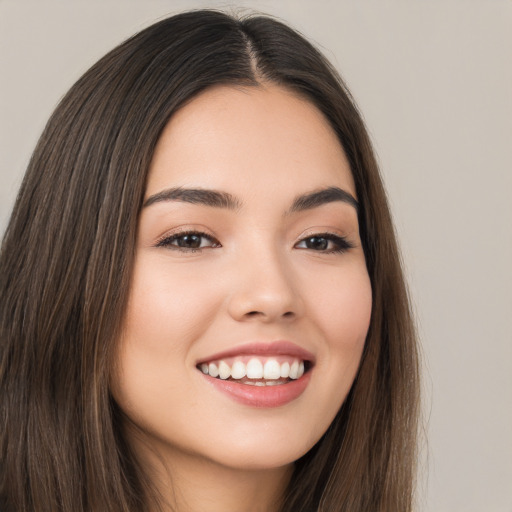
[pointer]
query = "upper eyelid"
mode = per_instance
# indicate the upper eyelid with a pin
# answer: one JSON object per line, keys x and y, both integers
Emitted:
{"x": 322, "y": 232}
{"x": 328, "y": 236}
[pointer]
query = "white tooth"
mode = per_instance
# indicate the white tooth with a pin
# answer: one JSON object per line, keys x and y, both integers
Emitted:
{"x": 294, "y": 370}
{"x": 301, "y": 370}
{"x": 204, "y": 368}
{"x": 285, "y": 370}
{"x": 250, "y": 383}
{"x": 254, "y": 369}
{"x": 238, "y": 370}
{"x": 259, "y": 383}
{"x": 224, "y": 370}
{"x": 271, "y": 370}
{"x": 273, "y": 383}
{"x": 213, "y": 370}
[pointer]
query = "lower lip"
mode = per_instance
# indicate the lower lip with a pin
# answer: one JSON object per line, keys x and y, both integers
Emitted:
{"x": 261, "y": 396}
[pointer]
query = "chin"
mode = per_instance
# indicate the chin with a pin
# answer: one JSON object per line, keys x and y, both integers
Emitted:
{"x": 262, "y": 452}
{"x": 260, "y": 460}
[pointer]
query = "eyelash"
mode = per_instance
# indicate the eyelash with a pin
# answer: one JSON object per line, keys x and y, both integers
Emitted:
{"x": 167, "y": 241}
{"x": 341, "y": 243}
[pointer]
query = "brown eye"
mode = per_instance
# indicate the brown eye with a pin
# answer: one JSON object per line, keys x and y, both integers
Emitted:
{"x": 189, "y": 241}
{"x": 192, "y": 241}
{"x": 325, "y": 242}
{"x": 317, "y": 243}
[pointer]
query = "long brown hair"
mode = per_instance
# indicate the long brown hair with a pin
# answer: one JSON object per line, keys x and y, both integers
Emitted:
{"x": 66, "y": 262}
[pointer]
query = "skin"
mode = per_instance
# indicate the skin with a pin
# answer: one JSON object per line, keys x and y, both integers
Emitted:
{"x": 257, "y": 282}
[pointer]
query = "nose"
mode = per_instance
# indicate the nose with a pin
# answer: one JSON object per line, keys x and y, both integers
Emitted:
{"x": 265, "y": 290}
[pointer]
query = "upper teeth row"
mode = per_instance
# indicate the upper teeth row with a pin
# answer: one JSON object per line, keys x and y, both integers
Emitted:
{"x": 255, "y": 369}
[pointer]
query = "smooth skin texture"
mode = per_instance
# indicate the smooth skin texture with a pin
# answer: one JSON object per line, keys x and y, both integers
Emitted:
{"x": 257, "y": 276}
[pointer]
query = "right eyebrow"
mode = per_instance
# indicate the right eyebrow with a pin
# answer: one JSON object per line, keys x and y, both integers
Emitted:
{"x": 206, "y": 197}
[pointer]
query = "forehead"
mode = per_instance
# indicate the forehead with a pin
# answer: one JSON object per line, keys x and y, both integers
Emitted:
{"x": 245, "y": 139}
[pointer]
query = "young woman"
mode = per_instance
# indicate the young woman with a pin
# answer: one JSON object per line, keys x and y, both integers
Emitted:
{"x": 202, "y": 305}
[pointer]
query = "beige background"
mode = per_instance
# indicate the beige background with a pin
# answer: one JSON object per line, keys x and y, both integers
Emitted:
{"x": 434, "y": 81}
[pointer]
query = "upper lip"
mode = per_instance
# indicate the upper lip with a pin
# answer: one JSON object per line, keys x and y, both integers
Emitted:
{"x": 274, "y": 348}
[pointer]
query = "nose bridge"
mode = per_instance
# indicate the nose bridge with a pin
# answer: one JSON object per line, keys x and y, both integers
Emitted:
{"x": 264, "y": 287}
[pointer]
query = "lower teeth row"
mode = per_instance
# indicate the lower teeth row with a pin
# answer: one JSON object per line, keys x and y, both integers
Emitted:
{"x": 264, "y": 383}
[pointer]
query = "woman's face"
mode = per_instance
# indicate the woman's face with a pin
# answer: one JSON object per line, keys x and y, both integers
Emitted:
{"x": 248, "y": 267}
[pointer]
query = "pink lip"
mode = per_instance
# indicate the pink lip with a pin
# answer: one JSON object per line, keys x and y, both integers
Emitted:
{"x": 276, "y": 348}
{"x": 264, "y": 396}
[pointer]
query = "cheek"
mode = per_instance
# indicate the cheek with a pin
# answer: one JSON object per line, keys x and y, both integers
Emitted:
{"x": 166, "y": 313}
{"x": 167, "y": 309}
{"x": 343, "y": 312}
{"x": 344, "y": 306}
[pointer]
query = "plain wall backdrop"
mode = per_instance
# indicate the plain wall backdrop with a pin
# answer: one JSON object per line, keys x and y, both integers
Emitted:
{"x": 434, "y": 82}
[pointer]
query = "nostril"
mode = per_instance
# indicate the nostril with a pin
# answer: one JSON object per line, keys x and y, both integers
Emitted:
{"x": 287, "y": 314}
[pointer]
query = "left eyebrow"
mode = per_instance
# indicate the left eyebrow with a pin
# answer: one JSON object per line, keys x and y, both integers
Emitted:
{"x": 318, "y": 198}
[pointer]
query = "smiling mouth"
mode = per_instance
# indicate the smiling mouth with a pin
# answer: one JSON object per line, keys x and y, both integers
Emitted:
{"x": 257, "y": 371}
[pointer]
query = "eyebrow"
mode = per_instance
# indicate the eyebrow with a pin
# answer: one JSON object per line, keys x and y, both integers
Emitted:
{"x": 205, "y": 197}
{"x": 321, "y": 197}
{"x": 220, "y": 199}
